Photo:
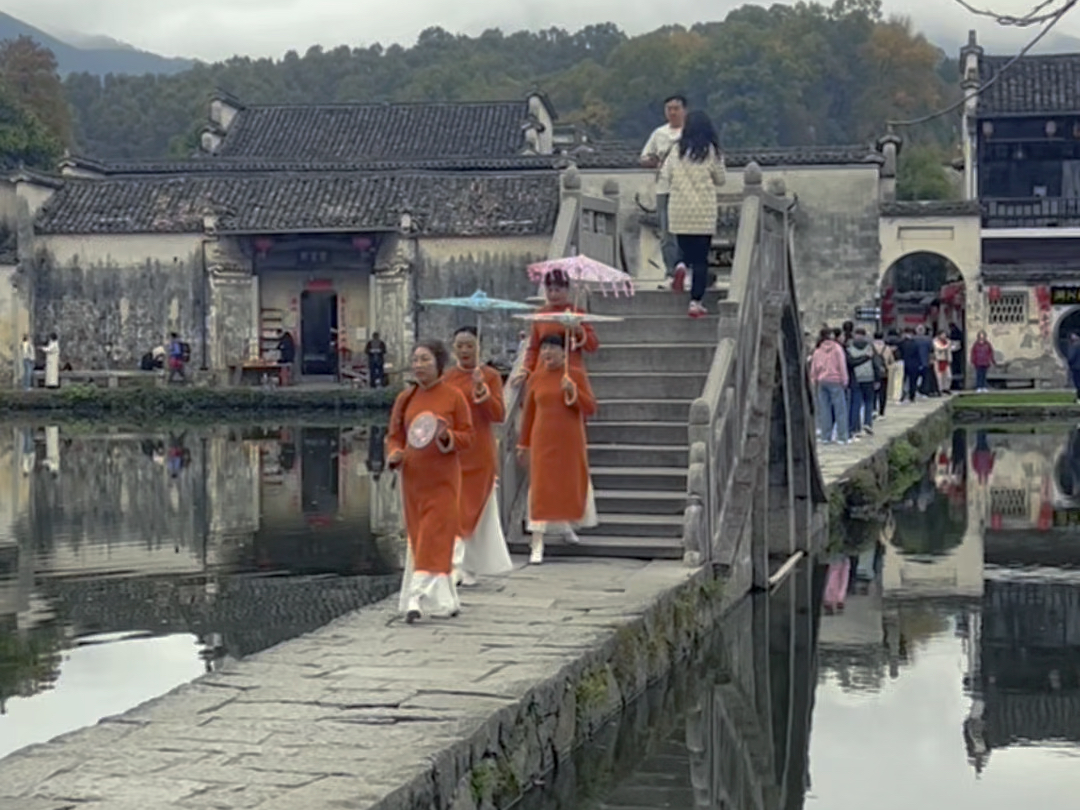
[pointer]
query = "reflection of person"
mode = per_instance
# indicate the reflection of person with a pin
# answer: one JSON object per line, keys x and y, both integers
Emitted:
{"x": 583, "y": 338}
{"x": 376, "y": 460}
{"x": 430, "y": 482}
{"x": 552, "y": 441}
{"x": 836, "y": 584}
{"x": 481, "y": 549}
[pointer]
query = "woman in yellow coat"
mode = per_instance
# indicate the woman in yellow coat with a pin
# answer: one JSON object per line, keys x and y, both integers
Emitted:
{"x": 552, "y": 440}
{"x": 430, "y": 426}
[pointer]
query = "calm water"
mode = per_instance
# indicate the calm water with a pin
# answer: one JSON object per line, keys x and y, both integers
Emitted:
{"x": 132, "y": 562}
{"x": 935, "y": 663}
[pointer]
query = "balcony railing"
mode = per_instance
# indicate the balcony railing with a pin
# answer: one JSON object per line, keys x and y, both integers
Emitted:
{"x": 1031, "y": 212}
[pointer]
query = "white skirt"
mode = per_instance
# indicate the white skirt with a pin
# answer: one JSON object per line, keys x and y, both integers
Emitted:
{"x": 431, "y": 594}
{"x": 588, "y": 520}
{"x": 484, "y": 553}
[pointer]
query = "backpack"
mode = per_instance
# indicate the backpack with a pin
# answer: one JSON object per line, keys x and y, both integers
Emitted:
{"x": 881, "y": 371}
{"x": 185, "y": 352}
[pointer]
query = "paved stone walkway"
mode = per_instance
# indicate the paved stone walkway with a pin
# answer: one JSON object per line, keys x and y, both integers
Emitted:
{"x": 345, "y": 716}
{"x": 837, "y": 460}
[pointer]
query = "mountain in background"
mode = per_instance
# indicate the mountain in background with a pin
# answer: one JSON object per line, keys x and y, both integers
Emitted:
{"x": 93, "y": 54}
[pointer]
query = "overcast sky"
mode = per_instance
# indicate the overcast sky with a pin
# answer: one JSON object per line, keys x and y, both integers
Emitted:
{"x": 217, "y": 29}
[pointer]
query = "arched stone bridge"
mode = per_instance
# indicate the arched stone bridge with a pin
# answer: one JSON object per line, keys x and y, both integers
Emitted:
{"x": 703, "y": 446}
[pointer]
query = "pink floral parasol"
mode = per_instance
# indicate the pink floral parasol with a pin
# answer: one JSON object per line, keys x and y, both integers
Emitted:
{"x": 584, "y": 271}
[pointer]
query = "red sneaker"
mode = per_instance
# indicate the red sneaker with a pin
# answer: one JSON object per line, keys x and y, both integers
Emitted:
{"x": 678, "y": 281}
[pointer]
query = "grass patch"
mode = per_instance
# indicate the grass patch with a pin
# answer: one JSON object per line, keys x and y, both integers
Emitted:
{"x": 1019, "y": 399}
{"x": 139, "y": 403}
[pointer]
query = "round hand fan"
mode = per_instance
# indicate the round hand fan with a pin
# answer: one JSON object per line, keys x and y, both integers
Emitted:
{"x": 422, "y": 430}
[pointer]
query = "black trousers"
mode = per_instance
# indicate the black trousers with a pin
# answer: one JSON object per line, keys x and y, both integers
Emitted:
{"x": 695, "y": 253}
{"x": 911, "y": 381}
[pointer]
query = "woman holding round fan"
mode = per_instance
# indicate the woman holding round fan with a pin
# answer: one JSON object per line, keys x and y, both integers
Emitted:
{"x": 430, "y": 426}
{"x": 481, "y": 548}
{"x": 552, "y": 442}
{"x": 582, "y": 336}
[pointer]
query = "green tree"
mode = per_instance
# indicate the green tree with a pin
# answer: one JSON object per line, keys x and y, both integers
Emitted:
{"x": 23, "y": 138}
{"x": 29, "y": 74}
{"x": 921, "y": 174}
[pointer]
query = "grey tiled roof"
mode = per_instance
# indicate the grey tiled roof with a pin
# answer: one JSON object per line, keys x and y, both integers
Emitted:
{"x": 219, "y": 165}
{"x": 591, "y": 156}
{"x": 931, "y": 208}
{"x": 440, "y": 204}
{"x": 1035, "y": 84}
{"x": 350, "y": 131}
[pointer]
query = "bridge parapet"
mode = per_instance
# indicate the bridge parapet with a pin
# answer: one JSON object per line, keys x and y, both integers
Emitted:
{"x": 758, "y": 365}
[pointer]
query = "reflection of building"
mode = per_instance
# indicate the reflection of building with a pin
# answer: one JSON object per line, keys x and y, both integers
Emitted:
{"x": 1024, "y": 671}
{"x": 179, "y": 507}
{"x": 954, "y": 568}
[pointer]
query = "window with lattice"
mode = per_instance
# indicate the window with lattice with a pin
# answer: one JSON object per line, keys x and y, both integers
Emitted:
{"x": 1008, "y": 307}
{"x": 1009, "y": 502}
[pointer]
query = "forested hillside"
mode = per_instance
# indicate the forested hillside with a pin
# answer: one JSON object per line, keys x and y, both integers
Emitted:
{"x": 785, "y": 75}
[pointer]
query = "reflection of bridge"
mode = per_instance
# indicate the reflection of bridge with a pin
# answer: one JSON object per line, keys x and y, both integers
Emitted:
{"x": 243, "y": 614}
{"x": 730, "y": 730}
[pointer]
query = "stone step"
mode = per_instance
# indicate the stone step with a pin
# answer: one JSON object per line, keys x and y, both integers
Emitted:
{"x": 651, "y": 302}
{"x": 636, "y": 525}
{"x": 638, "y": 455}
{"x": 637, "y": 432}
{"x": 649, "y": 385}
{"x": 642, "y": 410}
{"x": 636, "y": 358}
{"x": 648, "y": 479}
{"x": 632, "y": 548}
{"x": 640, "y": 502}
{"x": 669, "y": 328}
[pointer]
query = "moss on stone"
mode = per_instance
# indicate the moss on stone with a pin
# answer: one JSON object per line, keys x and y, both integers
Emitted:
{"x": 591, "y": 690}
{"x": 493, "y": 782}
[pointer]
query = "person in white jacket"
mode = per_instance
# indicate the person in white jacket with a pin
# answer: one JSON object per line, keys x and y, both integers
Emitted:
{"x": 693, "y": 171}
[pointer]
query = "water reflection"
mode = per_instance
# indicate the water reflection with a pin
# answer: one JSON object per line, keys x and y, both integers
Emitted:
{"x": 932, "y": 662}
{"x": 132, "y": 561}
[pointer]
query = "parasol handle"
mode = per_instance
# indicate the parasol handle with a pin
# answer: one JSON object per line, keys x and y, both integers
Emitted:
{"x": 566, "y": 353}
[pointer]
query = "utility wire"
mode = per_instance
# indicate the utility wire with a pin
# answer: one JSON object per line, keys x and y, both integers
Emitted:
{"x": 1053, "y": 20}
{"x": 1033, "y": 17}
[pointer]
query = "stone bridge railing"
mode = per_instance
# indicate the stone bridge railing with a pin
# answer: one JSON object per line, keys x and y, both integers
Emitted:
{"x": 730, "y": 422}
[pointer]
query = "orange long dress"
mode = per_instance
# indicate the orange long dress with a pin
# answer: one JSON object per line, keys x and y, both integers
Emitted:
{"x": 479, "y": 462}
{"x": 554, "y": 433}
{"x": 541, "y": 329}
{"x": 431, "y": 488}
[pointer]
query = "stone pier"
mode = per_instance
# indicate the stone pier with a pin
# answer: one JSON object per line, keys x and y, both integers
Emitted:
{"x": 368, "y": 712}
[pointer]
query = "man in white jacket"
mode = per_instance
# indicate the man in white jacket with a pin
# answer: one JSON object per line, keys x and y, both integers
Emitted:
{"x": 656, "y": 149}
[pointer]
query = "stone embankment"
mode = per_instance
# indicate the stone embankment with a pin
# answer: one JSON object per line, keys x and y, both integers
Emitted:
{"x": 370, "y": 713}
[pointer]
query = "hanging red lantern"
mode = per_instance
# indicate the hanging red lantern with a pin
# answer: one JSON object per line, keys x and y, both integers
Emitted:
{"x": 362, "y": 242}
{"x": 993, "y": 294}
{"x": 263, "y": 244}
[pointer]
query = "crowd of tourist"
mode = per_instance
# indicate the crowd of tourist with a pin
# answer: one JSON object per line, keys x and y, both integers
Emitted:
{"x": 855, "y": 376}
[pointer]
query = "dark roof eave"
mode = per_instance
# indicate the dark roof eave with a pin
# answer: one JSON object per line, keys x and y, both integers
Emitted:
{"x": 366, "y": 229}
{"x": 981, "y": 116}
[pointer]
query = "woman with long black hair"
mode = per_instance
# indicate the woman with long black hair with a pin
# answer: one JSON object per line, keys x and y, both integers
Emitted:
{"x": 693, "y": 171}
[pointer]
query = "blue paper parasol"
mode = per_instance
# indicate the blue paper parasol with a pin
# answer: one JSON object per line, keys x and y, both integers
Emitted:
{"x": 479, "y": 302}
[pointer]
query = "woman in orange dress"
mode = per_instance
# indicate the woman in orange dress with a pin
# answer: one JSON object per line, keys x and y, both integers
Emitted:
{"x": 552, "y": 440}
{"x": 583, "y": 339}
{"x": 481, "y": 548}
{"x": 429, "y": 428}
